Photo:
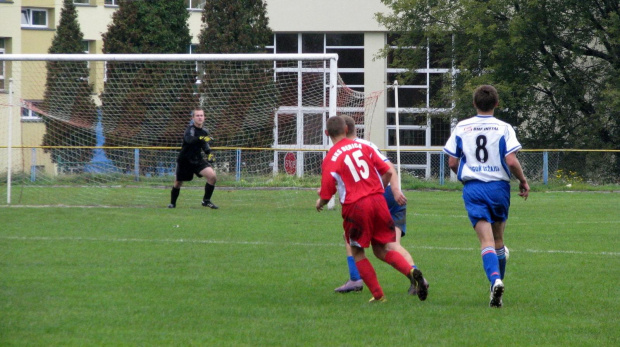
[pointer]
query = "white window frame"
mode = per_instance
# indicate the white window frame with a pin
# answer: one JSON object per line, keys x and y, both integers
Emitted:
{"x": 27, "y": 15}
{"x": 199, "y": 65}
{"x": 301, "y": 111}
{"x": 112, "y": 3}
{"x": 426, "y": 110}
{"x": 87, "y": 51}
{"x": 81, "y": 2}
{"x": 196, "y": 5}
{"x": 31, "y": 116}
{"x": 3, "y": 70}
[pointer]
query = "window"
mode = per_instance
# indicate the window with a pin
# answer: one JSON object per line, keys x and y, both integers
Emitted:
{"x": 350, "y": 48}
{"x": 28, "y": 111}
{"x": 111, "y": 2}
{"x": 195, "y": 4}
{"x": 81, "y": 2}
{"x": 86, "y": 46}
{"x": 2, "y": 64}
{"x": 34, "y": 18}
{"x": 418, "y": 97}
{"x": 192, "y": 49}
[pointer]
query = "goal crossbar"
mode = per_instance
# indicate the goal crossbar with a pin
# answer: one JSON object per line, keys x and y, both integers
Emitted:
{"x": 168, "y": 57}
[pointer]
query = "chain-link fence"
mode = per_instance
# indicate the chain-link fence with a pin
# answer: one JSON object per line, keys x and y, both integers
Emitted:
{"x": 546, "y": 166}
{"x": 283, "y": 168}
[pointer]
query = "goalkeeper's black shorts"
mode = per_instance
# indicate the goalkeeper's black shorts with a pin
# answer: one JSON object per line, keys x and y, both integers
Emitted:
{"x": 186, "y": 170}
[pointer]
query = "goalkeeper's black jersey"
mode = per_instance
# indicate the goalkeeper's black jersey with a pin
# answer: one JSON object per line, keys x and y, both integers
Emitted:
{"x": 195, "y": 140}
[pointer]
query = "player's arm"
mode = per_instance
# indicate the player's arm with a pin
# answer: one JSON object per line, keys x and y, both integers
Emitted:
{"x": 327, "y": 189}
{"x": 395, "y": 186}
{"x": 207, "y": 149}
{"x": 453, "y": 163}
{"x": 515, "y": 168}
{"x": 386, "y": 177}
{"x": 394, "y": 181}
{"x": 190, "y": 135}
{"x": 320, "y": 203}
{"x": 385, "y": 170}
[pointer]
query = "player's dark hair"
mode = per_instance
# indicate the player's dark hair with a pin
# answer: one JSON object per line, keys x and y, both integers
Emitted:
{"x": 350, "y": 122}
{"x": 335, "y": 126}
{"x": 486, "y": 98}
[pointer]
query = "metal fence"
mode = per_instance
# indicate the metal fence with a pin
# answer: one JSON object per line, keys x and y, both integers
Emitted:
{"x": 544, "y": 166}
{"x": 251, "y": 165}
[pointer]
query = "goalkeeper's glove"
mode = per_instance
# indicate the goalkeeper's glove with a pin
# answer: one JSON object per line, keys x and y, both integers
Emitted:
{"x": 211, "y": 158}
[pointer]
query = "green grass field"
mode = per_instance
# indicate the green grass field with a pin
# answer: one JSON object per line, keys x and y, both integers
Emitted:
{"x": 263, "y": 274}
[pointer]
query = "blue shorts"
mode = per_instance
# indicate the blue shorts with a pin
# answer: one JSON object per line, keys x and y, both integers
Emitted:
{"x": 487, "y": 200}
{"x": 399, "y": 213}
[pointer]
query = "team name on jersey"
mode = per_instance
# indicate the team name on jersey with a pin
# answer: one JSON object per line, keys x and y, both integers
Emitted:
{"x": 482, "y": 128}
{"x": 345, "y": 149}
{"x": 485, "y": 168}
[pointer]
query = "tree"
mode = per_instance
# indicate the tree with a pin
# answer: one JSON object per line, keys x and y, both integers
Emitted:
{"x": 244, "y": 90}
{"x": 555, "y": 63}
{"x": 147, "y": 103}
{"x": 69, "y": 111}
{"x": 235, "y": 26}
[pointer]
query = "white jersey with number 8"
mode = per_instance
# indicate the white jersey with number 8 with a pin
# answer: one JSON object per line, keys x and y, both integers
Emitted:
{"x": 481, "y": 143}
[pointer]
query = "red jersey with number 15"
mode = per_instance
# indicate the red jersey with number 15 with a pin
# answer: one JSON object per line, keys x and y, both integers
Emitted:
{"x": 354, "y": 170}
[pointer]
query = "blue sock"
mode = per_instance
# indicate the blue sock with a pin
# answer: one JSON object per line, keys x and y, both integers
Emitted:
{"x": 491, "y": 264}
{"x": 501, "y": 257}
{"x": 353, "y": 273}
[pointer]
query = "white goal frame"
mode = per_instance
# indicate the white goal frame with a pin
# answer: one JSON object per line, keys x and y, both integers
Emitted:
{"x": 330, "y": 59}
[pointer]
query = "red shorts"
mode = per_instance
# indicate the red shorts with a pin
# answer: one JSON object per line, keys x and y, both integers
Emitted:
{"x": 368, "y": 221}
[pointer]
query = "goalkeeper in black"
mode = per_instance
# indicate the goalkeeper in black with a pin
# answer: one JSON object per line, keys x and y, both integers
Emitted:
{"x": 190, "y": 161}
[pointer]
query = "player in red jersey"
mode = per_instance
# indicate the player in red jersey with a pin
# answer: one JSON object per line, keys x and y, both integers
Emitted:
{"x": 359, "y": 175}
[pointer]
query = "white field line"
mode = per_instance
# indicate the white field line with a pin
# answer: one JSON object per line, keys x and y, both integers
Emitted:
{"x": 266, "y": 243}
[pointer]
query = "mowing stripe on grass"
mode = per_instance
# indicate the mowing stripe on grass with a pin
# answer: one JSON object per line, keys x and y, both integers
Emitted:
{"x": 267, "y": 243}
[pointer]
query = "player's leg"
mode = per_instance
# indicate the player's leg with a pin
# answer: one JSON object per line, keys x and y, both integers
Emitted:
{"x": 357, "y": 225}
{"x": 499, "y": 215}
{"x": 402, "y": 250}
{"x": 174, "y": 193}
{"x": 399, "y": 215}
{"x": 386, "y": 248}
{"x": 490, "y": 261}
{"x": 355, "y": 283}
{"x": 385, "y": 235}
{"x": 480, "y": 200}
{"x": 183, "y": 173}
{"x": 500, "y": 248}
{"x": 368, "y": 274}
{"x": 211, "y": 177}
{"x": 484, "y": 231}
{"x": 391, "y": 253}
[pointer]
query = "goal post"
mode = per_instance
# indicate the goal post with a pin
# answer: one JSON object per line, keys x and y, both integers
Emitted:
{"x": 100, "y": 122}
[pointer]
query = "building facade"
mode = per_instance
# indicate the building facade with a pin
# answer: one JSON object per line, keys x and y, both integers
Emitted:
{"x": 346, "y": 27}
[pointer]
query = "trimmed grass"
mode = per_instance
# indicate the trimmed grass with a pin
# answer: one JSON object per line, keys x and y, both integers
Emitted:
{"x": 256, "y": 273}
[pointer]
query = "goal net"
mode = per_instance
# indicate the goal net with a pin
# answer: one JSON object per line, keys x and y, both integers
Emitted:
{"x": 93, "y": 130}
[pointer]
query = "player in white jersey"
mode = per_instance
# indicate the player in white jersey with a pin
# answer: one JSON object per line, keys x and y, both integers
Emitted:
{"x": 482, "y": 153}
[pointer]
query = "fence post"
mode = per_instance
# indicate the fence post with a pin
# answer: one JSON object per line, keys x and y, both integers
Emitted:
{"x": 33, "y": 165}
{"x": 441, "y": 168}
{"x": 238, "y": 165}
{"x": 545, "y": 167}
{"x": 9, "y": 147}
{"x": 136, "y": 164}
